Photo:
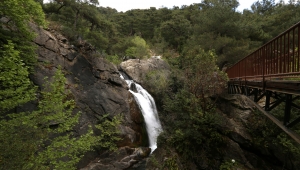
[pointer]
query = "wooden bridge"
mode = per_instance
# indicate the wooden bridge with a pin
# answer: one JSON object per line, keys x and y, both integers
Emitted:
{"x": 272, "y": 74}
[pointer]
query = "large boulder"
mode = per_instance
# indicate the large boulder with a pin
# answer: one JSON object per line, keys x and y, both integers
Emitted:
{"x": 123, "y": 158}
{"x": 95, "y": 84}
{"x": 238, "y": 112}
{"x": 138, "y": 69}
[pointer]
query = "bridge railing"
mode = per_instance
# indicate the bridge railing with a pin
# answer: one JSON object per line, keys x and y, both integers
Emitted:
{"x": 280, "y": 57}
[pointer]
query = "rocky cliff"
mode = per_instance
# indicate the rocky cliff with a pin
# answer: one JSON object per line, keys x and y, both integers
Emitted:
{"x": 98, "y": 90}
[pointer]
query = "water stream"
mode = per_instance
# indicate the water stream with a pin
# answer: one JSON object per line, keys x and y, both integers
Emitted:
{"x": 149, "y": 111}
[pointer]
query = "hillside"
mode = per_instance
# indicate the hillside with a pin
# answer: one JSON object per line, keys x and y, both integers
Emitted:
{"x": 63, "y": 104}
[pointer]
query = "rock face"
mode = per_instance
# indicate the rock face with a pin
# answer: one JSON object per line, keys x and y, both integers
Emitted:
{"x": 137, "y": 69}
{"x": 123, "y": 159}
{"x": 95, "y": 85}
{"x": 237, "y": 114}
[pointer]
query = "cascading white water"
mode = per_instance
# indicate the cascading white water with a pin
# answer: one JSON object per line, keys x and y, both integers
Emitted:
{"x": 149, "y": 111}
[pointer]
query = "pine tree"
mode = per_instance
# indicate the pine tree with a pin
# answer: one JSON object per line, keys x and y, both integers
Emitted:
{"x": 44, "y": 138}
{"x": 15, "y": 86}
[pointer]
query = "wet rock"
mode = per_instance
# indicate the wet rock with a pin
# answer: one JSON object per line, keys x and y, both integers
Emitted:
{"x": 123, "y": 158}
{"x": 133, "y": 87}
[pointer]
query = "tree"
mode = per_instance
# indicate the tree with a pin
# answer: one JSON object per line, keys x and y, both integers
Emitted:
{"x": 24, "y": 135}
{"x": 217, "y": 26}
{"x": 15, "y": 86}
{"x": 176, "y": 31}
{"x": 19, "y": 13}
{"x": 138, "y": 49}
{"x": 201, "y": 80}
{"x": 55, "y": 117}
{"x": 16, "y": 16}
{"x": 264, "y": 6}
{"x": 44, "y": 138}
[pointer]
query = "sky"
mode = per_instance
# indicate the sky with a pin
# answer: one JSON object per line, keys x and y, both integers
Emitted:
{"x": 124, "y": 5}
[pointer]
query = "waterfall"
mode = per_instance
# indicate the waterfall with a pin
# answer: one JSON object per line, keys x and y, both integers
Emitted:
{"x": 149, "y": 111}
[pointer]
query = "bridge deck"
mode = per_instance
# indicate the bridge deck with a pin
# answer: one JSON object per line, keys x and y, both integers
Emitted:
{"x": 272, "y": 73}
{"x": 283, "y": 86}
{"x": 273, "y": 92}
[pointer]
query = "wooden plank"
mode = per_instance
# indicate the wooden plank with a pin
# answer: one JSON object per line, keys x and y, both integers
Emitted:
{"x": 292, "y": 134}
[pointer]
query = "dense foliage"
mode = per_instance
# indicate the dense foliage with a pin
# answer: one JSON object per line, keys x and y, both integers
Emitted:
{"x": 16, "y": 88}
{"x": 268, "y": 135}
{"x": 27, "y": 138}
{"x": 40, "y": 138}
{"x": 188, "y": 110}
{"x": 211, "y": 25}
{"x": 15, "y": 17}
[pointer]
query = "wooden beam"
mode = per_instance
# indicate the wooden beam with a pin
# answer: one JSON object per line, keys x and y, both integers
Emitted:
{"x": 294, "y": 122}
{"x": 292, "y": 134}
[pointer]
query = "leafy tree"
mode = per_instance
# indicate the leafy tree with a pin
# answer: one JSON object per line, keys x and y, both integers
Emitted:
{"x": 56, "y": 109}
{"x": 44, "y": 138}
{"x": 176, "y": 31}
{"x": 138, "y": 49}
{"x": 83, "y": 20}
{"x": 15, "y": 86}
{"x": 24, "y": 134}
{"x": 16, "y": 15}
{"x": 109, "y": 132}
{"x": 66, "y": 150}
{"x": 202, "y": 77}
{"x": 263, "y": 6}
{"x": 217, "y": 26}
{"x": 115, "y": 59}
{"x": 192, "y": 103}
{"x": 19, "y": 13}
{"x": 199, "y": 134}
{"x": 279, "y": 13}
{"x": 121, "y": 46}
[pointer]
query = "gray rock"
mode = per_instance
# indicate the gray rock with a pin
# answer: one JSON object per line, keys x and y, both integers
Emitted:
{"x": 137, "y": 69}
{"x": 96, "y": 87}
{"x": 123, "y": 158}
{"x": 237, "y": 113}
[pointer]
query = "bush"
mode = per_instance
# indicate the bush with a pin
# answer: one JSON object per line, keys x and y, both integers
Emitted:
{"x": 115, "y": 59}
{"x": 139, "y": 48}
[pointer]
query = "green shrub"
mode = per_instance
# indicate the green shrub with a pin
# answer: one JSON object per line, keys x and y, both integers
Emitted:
{"x": 229, "y": 165}
{"x": 110, "y": 134}
{"x": 115, "y": 59}
{"x": 139, "y": 48}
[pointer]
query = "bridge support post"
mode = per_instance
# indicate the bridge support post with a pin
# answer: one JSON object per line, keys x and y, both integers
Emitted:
{"x": 255, "y": 95}
{"x": 243, "y": 90}
{"x": 236, "y": 89}
{"x": 228, "y": 88}
{"x": 287, "y": 110}
{"x": 247, "y": 91}
{"x": 232, "y": 89}
{"x": 268, "y": 97}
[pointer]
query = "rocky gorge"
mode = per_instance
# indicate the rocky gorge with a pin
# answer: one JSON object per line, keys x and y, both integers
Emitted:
{"x": 98, "y": 90}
